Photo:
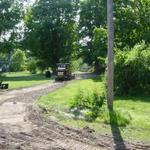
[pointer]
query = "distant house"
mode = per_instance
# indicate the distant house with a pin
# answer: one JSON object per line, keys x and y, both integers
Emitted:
{"x": 85, "y": 67}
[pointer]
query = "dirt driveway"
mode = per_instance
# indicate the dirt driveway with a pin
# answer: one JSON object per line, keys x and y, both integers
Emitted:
{"x": 22, "y": 127}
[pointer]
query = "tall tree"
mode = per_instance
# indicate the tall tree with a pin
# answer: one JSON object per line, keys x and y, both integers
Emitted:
{"x": 110, "y": 64}
{"x": 92, "y": 24}
{"x": 10, "y": 16}
{"x": 99, "y": 49}
{"x": 51, "y": 31}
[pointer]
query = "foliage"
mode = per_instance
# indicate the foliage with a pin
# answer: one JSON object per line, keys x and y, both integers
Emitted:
{"x": 116, "y": 117}
{"x": 51, "y": 31}
{"x": 99, "y": 42}
{"x": 92, "y": 32}
{"x": 132, "y": 70}
{"x": 132, "y": 22}
{"x": 2, "y": 56}
{"x": 32, "y": 66}
{"x": 10, "y": 16}
{"x": 41, "y": 65}
{"x": 2, "y": 59}
{"x": 76, "y": 64}
{"x": 92, "y": 14}
{"x": 87, "y": 104}
{"x": 99, "y": 49}
{"x": 18, "y": 61}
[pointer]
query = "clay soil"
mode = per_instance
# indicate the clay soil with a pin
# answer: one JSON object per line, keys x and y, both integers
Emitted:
{"x": 23, "y": 127}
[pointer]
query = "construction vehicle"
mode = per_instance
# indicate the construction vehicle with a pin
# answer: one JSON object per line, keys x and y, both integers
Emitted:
{"x": 63, "y": 72}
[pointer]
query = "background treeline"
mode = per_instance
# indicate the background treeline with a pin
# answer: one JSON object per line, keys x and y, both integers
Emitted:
{"x": 75, "y": 31}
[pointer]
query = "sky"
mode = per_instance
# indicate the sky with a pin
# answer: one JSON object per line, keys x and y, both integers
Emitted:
{"x": 29, "y": 2}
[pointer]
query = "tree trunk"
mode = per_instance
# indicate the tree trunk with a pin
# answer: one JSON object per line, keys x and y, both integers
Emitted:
{"x": 99, "y": 67}
{"x": 110, "y": 64}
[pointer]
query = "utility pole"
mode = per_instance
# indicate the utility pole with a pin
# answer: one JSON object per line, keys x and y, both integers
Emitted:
{"x": 110, "y": 55}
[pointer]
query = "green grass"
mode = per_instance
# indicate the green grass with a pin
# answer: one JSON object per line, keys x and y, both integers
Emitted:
{"x": 23, "y": 79}
{"x": 59, "y": 101}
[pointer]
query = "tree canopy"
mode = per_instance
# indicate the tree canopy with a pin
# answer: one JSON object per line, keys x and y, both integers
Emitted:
{"x": 92, "y": 16}
{"x": 10, "y": 16}
{"x": 51, "y": 30}
{"x": 132, "y": 22}
{"x": 59, "y": 30}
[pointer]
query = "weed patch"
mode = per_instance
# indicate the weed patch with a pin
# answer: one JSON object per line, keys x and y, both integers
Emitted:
{"x": 87, "y": 105}
{"x": 116, "y": 117}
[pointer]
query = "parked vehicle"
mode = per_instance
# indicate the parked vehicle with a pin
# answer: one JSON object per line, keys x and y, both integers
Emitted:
{"x": 63, "y": 72}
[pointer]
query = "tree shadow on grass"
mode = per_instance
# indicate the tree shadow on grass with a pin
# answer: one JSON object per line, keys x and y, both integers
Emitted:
{"x": 34, "y": 77}
{"x": 117, "y": 137}
{"x": 98, "y": 78}
{"x": 133, "y": 98}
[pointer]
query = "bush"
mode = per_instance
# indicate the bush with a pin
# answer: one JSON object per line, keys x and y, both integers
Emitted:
{"x": 132, "y": 70}
{"x": 87, "y": 105}
{"x": 17, "y": 62}
{"x": 31, "y": 66}
{"x": 116, "y": 117}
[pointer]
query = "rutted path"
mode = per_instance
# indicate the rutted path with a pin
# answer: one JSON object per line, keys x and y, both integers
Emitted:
{"x": 4, "y": 95}
{"x": 22, "y": 126}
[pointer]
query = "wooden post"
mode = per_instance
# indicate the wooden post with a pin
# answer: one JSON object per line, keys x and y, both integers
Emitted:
{"x": 110, "y": 55}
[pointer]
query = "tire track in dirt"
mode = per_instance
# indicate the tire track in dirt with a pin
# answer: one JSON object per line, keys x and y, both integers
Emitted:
{"x": 18, "y": 131}
{"x": 23, "y": 127}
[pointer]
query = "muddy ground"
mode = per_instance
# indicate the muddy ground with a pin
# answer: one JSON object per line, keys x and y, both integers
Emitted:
{"x": 22, "y": 126}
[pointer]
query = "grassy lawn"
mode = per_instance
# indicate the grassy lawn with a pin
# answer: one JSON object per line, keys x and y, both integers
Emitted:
{"x": 59, "y": 102}
{"x": 23, "y": 79}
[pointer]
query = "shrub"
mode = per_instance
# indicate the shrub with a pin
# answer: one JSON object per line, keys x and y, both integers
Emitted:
{"x": 116, "y": 117}
{"x": 87, "y": 105}
{"x": 132, "y": 70}
{"x": 17, "y": 62}
{"x": 31, "y": 66}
